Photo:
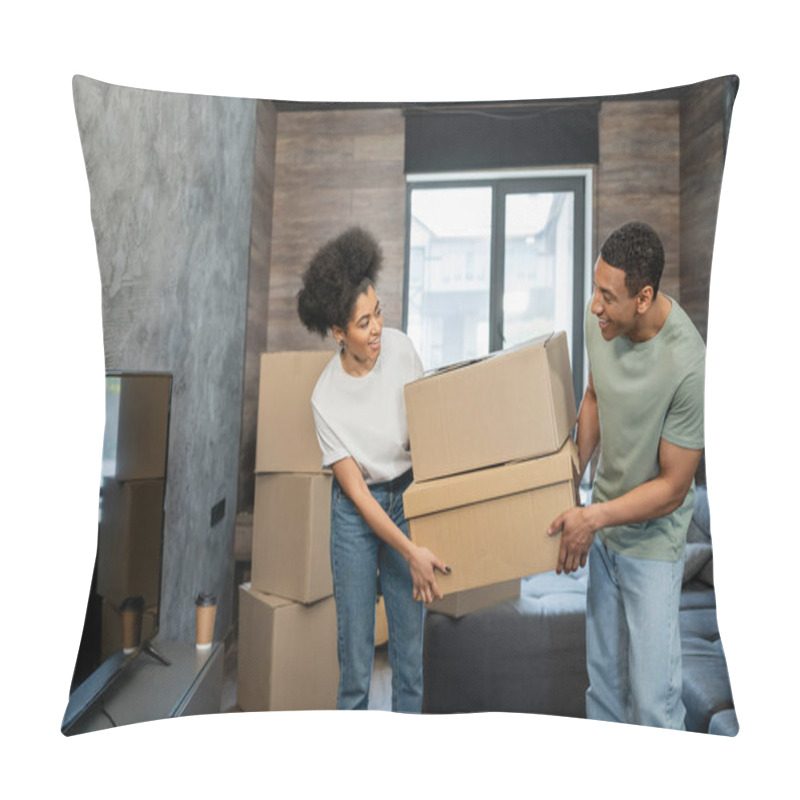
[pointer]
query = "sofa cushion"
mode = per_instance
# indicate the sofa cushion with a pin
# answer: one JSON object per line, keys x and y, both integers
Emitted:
{"x": 706, "y": 685}
{"x": 697, "y": 594}
{"x": 695, "y": 558}
{"x": 699, "y": 623}
{"x": 549, "y": 583}
{"x": 700, "y": 524}
{"x": 524, "y": 655}
{"x": 706, "y": 574}
{"x": 724, "y": 723}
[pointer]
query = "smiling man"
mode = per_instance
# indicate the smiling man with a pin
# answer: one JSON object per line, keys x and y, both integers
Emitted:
{"x": 644, "y": 408}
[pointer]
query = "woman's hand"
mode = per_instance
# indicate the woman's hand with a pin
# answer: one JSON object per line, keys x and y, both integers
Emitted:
{"x": 420, "y": 560}
{"x": 423, "y": 565}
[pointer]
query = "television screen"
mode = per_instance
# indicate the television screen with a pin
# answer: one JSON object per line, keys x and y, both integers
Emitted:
{"x": 122, "y": 613}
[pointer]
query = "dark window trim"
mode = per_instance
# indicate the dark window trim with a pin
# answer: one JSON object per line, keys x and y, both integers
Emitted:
{"x": 501, "y": 188}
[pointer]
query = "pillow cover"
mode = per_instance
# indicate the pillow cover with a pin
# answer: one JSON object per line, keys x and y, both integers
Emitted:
{"x": 206, "y": 209}
{"x": 696, "y": 557}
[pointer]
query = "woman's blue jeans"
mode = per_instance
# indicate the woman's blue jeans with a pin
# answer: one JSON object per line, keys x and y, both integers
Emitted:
{"x": 357, "y": 556}
{"x": 633, "y": 644}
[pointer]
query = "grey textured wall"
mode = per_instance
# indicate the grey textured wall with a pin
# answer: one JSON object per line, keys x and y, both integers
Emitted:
{"x": 258, "y": 294}
{"x": 171, "y": 180}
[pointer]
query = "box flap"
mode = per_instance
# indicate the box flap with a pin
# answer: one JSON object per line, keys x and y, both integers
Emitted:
{"x": 429, "y": 497}
{"x": 514, "y": 404}
{"x": 562, "y": 391}
{"x": 538, "y": 341}
{"x": 271, "y": 600}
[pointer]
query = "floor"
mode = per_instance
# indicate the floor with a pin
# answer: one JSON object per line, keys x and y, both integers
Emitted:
{"x": 380, "y": 693}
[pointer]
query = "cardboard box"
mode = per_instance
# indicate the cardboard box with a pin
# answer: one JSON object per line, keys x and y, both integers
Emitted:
{"x": 286, "y": 654}
{"x": 381, "y": 623}
{"x": 243, "y": 537}
{"x": 129, "y": 544}
{"x": 291, "y": 536}
{"x": 137, "y": 420}
{"x": 490, "y": 526}
{"x": 460, "y": 604}
{"x": 286, "y": 438}
{"x": 515, "y": 404}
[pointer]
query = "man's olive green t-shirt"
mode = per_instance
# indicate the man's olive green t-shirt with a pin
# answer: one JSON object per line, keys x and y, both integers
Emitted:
{"x": 646, "y": 392}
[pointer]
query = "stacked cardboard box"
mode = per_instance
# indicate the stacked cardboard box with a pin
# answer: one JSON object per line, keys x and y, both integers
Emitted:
{"x": 132, "y": 500}
{"x": 287, "y": 617}
{"x": 494, "y": 464}
{"x": 287, "y": 653}
{"x": 381, "y": 623}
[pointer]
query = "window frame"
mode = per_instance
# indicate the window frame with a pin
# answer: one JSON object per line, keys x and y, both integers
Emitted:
{"x": 503, "y": 183}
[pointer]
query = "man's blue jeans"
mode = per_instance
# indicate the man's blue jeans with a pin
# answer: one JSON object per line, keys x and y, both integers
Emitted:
{"x": 357, "y": 555}
{"x": 633, "y": 644}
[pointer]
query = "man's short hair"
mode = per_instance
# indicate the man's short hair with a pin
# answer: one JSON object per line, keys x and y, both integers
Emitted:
{"x": 636, "y": 248}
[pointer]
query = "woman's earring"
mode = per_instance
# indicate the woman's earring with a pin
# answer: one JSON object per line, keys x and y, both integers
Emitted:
{"x": 341, "y": 344}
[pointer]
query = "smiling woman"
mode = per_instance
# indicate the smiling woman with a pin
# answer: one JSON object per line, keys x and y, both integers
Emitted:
{"x": 360, "y": 342}
{"x": 360, "y": 417}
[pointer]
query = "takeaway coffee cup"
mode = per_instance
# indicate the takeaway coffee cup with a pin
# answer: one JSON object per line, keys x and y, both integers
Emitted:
{"x": 206, "y": 604}
{"x": 131, "y": 609}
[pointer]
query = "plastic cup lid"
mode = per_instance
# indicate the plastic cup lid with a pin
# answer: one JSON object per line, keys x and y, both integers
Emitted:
{"x": 206, "y": 599}
{"x": 136, "y": 603}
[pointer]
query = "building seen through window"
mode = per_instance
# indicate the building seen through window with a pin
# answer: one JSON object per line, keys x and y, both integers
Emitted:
{"x": 493, "y": 264}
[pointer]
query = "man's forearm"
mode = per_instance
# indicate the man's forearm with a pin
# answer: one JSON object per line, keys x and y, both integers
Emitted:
{"x": 654, "y": 498}
{"x": 650, "y": 500}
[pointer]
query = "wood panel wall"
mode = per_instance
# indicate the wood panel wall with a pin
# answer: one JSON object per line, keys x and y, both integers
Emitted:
{"x": 343, "y": 167}
{"x": 334, "y": 169}
{"x": 702, "y": 162}
{"x": 660, "y": 161}
{"x": 639, "y": 175}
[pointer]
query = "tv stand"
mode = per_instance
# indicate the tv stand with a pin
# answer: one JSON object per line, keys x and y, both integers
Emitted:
{"x": 145, "y": 691}
{"x": 149, "y": 648}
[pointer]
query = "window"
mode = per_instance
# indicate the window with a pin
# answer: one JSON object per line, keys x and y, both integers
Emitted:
{"x": 495, "y": 261}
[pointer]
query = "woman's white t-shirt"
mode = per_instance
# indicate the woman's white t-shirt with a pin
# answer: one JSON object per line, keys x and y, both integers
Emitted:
{"x": 365, "y": 417}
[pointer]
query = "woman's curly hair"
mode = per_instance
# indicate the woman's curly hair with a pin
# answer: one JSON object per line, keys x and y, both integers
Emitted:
{"x": 341, "y": 270}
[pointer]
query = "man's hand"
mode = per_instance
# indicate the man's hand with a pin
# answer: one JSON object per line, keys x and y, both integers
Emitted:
{"x": 577, "y": 534}
{"x": 652, "y": 499}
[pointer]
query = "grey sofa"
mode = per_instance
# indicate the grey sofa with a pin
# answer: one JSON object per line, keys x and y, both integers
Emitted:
{"x": 529, "y": 654}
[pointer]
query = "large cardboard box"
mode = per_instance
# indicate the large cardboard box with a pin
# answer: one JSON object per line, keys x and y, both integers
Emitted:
{"x": 286, "y": 654}
{"x": 460, "y": 604}
{"x": 129, "y": 544}
{"x": 137, "y": 422}
{"x": 286, "y": 438}
{"x": 490, "y": 525}
{"x": 381, "y": 623}
{"x": 515, "y": 404}
{"x": 243, "y": 537}
{"x": 291, "y": 536}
